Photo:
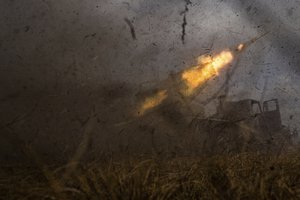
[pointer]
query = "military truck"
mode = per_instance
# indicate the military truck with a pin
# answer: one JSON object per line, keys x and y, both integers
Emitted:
{"x": 239, "y": 126}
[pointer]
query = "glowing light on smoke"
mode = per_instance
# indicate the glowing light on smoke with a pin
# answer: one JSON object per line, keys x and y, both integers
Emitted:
{"x": 151, "y": 102}
{"x": 240, "y": 47}
{"x": 208, "y": 66}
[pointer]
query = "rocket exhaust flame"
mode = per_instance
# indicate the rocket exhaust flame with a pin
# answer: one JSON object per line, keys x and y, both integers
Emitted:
{"x": 207, "y": 68}
{"x": 191, "y": 79}
{"x": 151, "y": 102}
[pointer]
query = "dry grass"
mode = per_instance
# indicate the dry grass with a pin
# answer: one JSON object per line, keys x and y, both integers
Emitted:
{"x": 243, "y": 176}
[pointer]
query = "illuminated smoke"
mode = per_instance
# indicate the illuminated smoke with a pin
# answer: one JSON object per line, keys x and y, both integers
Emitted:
{"x": 151, "y": 102}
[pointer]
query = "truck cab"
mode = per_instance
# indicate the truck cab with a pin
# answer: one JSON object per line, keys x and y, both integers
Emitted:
{"x": 242, "y": 125}
{"x": 268, "y": 115}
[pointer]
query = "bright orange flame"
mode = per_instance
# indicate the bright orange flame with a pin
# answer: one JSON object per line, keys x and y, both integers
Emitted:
{"x": 151, "y": 102}
{"x": 207, "y": 67}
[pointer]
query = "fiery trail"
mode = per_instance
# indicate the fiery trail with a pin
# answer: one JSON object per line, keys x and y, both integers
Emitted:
{"x": 151, "y": 102}
{"x": 207, "y": 67}
{"x": 194, "y": 77}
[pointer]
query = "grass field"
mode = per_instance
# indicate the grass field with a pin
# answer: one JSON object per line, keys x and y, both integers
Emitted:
{"x": 242, "y": 176}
